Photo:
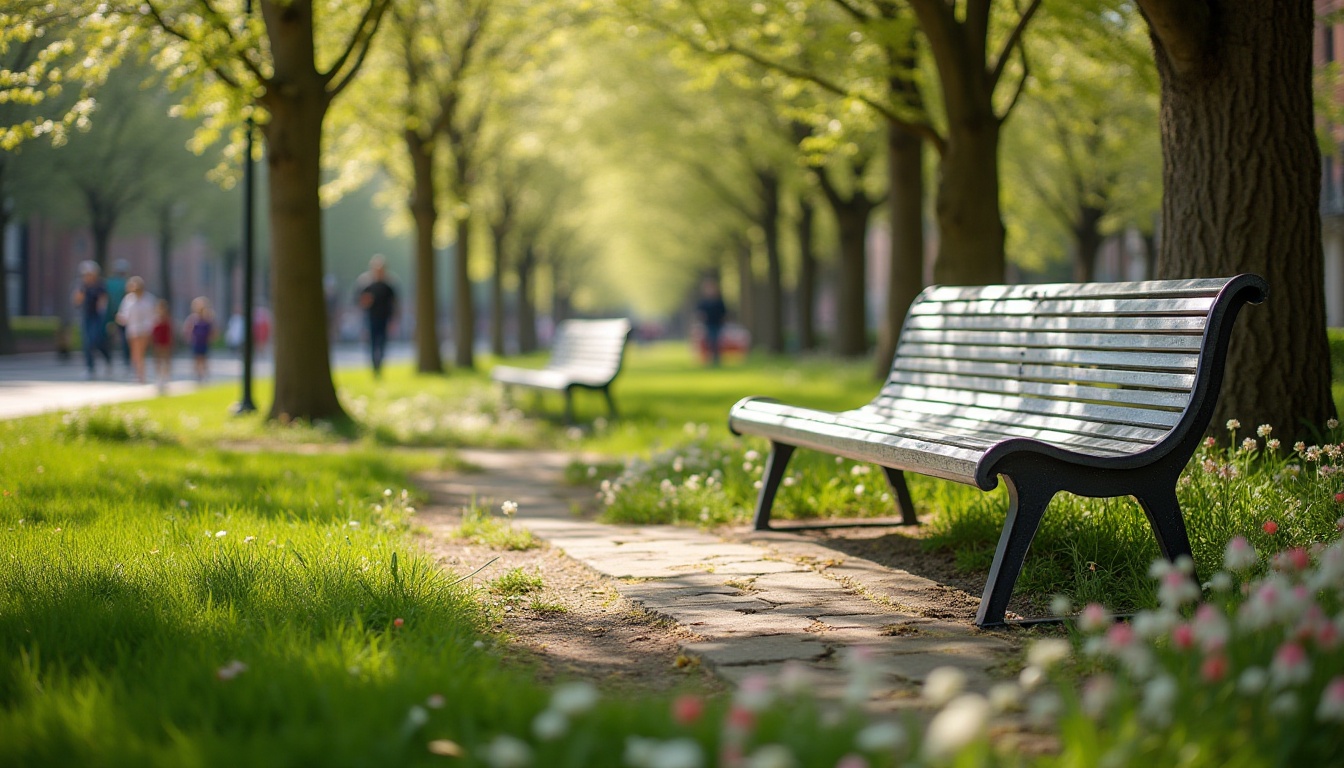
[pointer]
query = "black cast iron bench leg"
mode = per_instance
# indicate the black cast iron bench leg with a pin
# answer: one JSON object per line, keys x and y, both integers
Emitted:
{"x": 1160, "y": 504}
{"x": 611, "y": 404}
{"x": 1026, "y": 506}
{"x": 775, "y": 464}
{"x": 901, "y": 492}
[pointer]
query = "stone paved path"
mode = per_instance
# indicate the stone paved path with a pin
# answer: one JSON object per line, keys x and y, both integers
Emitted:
{"x": 759, "y": 601}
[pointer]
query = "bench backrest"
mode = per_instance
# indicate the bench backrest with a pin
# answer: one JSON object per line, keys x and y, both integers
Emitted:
{"x": 1106, "y": 369}
{"x": 591, "y": 351}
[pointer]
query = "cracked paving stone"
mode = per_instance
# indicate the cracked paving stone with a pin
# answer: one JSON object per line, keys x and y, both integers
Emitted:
{"x": 756, "y": 651}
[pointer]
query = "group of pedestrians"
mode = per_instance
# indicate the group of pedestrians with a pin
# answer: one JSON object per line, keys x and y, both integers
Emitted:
{"x": 120, "y": 313}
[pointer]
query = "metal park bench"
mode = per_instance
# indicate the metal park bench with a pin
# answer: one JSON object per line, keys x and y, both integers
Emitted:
{"x": 1097, "y": 389}
{"x": 585, "y": 354}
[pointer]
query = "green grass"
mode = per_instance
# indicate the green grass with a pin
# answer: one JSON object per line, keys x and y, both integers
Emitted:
{"x": 483, "y": 527}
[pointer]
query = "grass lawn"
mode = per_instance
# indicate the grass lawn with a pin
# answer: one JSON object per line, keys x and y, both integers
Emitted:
{"x": 181, "y": 587}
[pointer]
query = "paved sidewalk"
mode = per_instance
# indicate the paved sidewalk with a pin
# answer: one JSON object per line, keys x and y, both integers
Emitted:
{"x": 759, "y": 601}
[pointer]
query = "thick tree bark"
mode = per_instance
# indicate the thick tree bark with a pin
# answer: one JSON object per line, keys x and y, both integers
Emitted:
{"x": 464, "y": 309}
{"x": 500, "y": 234}
{"x": 850, "y": 338}
{"x": 905, "y": 168}
{"x": 747, "y": 293}
{"x": 297, "y": 106}
{"x": 807, "y": 276}
{"x": 771, "y": 304}
{"x": 1086, "y": 242}
{"x": 8, "y": 346}
{"x": 527, "y": 307}
{"x": 1241, "y": 175}
{"x": 425, "y": 212}
{"x": 970, "y": 224}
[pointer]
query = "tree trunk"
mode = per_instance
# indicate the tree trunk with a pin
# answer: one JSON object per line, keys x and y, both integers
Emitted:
{"x": 527, "y": 308}
{"x": 851, "y": 328}
{"x": 772, "y": 296}
{"x": 1086, "y": 242}
{"x": 905, "y": 168}
{"x": 8, "y": 346}
{"x": 747, "y": 293}
{"x": 970, "y": 227}
{"x": 1149, "y": 255}
{"x": 425, "y": 212}
{"x": 303, "y": 384}
{"x": 500, "y": 234}
{"x": 1241, "y": 174}
{"x": 807, "y": 276}
{"x": 166, "y": 254}
{"x": 464, "y": 311}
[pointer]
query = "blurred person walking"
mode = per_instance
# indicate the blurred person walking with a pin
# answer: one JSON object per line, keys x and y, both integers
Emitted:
{"x": 91, "y": 298}
{"x": 137, "y": 315}
{"x": 200, "y": 331}
{"x": 375, "y": 294}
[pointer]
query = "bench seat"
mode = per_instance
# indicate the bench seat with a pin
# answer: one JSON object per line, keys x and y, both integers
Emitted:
{"x": 585, "y": 354}
{"x": 1098, "y": 389}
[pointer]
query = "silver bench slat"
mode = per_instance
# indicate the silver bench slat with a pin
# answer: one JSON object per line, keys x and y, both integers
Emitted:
{"x": 1179, "y": 382}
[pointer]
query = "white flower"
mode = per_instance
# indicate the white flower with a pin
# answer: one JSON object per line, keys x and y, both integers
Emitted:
{"x": 1263, "y": 430}
{"x": 1331, "y": 707}
{"x": 677, "y": 753}
{"x": 574, "y": 698}
{"x": 881, "y": 737}
{"x": 1284, "y": 705}
{"x": 943, "y": 684}
{"x": 1233, "y": 424}
{"x": 1252, "y": 681}
{"x": 221, "y": 534}
{"x": 509, "y": 508}
{"x": 506, "y": 751}
{"x": 249, "y": 539}
{"x": 550, "y": 725}
{"x": 1239, "y": 555}
{"x": 1158, "y": 696}
{"x": 416, "y": 717}
{"x": 754, "y": 693}
{"x": 859, "y": 489}
{"x": 435, "y": 701}
{"x": 1030, "y": 678}
{"x": 678, "y": 465}
{"x": 231, "y": 670}
{"x": 1097, "y": 695}
{"x": 639, "y": 751}
{"x": 751, "y": 455}
{"x": 1043, "y": 708}
{"x": 1048, "y": 652}
{"x": 962, "y": 721}
{"x": 770, "y": 756}
{"x": 1005, "y": 697}
{"x": 1060, "y": 605}
{"x": 1331, "y": 423}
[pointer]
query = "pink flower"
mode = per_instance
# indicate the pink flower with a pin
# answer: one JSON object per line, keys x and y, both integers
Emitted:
{"x": 397, "y": 622}
{"x": 1239, "y": 555}
{"x": 1120, "y": 635}
{"x": 1295, "y": 559}
{"x": 1270, "y": 527}
{"x": 1093, "y": 618}
{"x": 740, "y": 719}
{"x": 1339, "y": 497}
{"x": 1332, "y": 701}
{"x": 687, "y": 709}
{"x": 1183, "y": 636}
{"x": 1209, "y": 442}
{"x": 852, "y": 761}
{"x": 1327, "y": 635}
{"x": 1214, "y": 668}
{"x": 1290, "y": 665}
{"x": 1210, "y": 628}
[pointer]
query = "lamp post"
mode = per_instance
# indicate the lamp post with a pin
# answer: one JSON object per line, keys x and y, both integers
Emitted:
{"x": 245, "y": 404}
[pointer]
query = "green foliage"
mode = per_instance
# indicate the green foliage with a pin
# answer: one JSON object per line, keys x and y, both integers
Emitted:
{"x": 111, "y": 424}
{"x": 483, "y": 527}
{"x": 516, "y": 582}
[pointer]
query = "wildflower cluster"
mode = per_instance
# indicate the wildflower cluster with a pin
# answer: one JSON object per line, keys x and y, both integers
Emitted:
{"x": 113, "y": 425}
{"x": 710, "y": 481}
{"x": 427, "y": 420}
{"x": 1261, "y": 649}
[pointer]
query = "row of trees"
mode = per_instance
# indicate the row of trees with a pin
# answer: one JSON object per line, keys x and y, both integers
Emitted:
{"x": 810, "y": 104}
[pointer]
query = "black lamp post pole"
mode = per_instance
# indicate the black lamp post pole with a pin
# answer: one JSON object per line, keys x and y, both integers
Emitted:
{"x": 245, "y": 404}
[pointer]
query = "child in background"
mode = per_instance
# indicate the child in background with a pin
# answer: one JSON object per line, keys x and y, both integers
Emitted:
{"x": 162, "y": 338}
{"x": 199, "y": 330}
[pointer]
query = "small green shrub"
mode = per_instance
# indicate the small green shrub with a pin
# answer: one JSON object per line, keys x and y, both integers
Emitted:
{"x": 516, "y": 583}
{"x": 113, "y": 425}
{"x": 482, "y": 527}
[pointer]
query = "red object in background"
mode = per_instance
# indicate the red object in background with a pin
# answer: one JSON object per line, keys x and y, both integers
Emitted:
{"x": 733, "y": 340}
{"x": 261, "y": 325}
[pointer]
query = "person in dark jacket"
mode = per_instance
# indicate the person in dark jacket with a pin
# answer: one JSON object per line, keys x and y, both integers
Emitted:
{"x": 378, "y": 298}
{"x": 713, "y": 312}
